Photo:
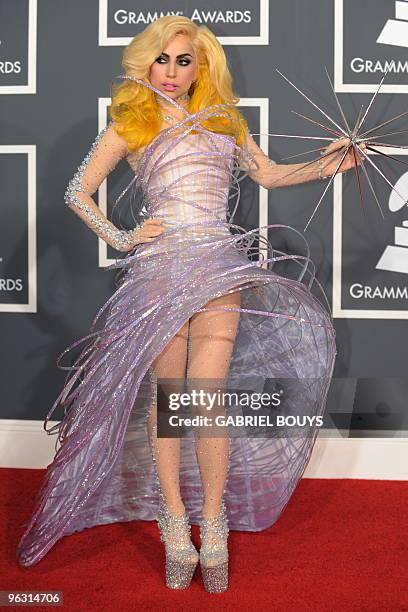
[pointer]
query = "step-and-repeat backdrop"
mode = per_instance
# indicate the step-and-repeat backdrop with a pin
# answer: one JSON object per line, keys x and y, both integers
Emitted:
{"x": 57, "y": 60}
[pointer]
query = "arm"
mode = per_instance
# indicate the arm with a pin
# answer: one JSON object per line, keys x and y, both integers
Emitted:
{"x": 269, "y": 174}
{"x": 106, "y": 151}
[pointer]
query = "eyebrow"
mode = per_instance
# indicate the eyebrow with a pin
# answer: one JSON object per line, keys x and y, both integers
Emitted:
{"x": 181, "y": 55}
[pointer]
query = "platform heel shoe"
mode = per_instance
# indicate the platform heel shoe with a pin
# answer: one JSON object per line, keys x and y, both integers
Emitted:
{"x": 181, "y": 554}
{"x": 214, "y": 552}
{"x": 175, "y": 532}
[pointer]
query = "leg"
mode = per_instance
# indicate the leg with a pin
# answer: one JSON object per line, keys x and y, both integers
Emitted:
{"x": 181, "y": 554}
{"x": 212, "y": 341}
{"x": 171, "y": 363}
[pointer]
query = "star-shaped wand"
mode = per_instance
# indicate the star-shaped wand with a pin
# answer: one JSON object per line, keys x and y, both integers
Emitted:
{"x": 349, "y": 143}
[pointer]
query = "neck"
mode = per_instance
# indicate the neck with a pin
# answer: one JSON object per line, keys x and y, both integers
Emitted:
{"x": 182, "y": 100}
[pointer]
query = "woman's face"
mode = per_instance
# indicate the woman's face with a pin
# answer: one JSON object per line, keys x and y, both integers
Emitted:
{"x": 175, "y": 69}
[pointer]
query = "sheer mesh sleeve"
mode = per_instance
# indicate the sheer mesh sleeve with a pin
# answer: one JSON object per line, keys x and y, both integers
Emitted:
{"x": 105, "y": 153}
{"x": 256, "y": 163}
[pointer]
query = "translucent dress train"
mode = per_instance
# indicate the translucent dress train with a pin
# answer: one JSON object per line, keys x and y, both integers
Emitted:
{"x": 102, "y": 471}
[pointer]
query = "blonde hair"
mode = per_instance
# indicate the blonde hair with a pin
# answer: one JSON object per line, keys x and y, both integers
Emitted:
{"x": 134, "y": 106}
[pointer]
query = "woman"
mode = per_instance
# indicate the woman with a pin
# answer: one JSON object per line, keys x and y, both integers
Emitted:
{"x": 191, "y": 298}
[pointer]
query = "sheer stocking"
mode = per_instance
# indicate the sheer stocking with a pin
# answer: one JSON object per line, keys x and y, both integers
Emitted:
{"x": 212, "y": 336}
{"x": 171, "y": 363}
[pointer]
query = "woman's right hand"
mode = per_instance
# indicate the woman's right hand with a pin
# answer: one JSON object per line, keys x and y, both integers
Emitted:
{"x": 149, "y": 229}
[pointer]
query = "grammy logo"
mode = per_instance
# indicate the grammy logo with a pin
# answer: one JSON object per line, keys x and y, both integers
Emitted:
{"x": 395, "y": 257}
{"x": 395, "y": 31}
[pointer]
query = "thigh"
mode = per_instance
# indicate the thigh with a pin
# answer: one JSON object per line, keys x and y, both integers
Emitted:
{"x": 172, "y": 361}
{"x": 212, "y": 337}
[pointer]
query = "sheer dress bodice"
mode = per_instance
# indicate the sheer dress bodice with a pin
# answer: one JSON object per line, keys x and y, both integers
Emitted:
{"x": 187, "y": 180}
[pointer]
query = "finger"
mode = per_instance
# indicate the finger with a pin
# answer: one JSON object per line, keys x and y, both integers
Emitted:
{"x": 154, "y": 221}
{"x": 340, "y": 142}
{"x": 335, "y": 146}
{"x": 154, "y": 234}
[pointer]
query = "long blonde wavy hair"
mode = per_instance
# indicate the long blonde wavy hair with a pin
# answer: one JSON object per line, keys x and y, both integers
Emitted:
{"x": 134, "y": 106}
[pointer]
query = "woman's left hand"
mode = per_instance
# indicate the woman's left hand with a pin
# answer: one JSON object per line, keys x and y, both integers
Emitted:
{"x": 330, "y": 162}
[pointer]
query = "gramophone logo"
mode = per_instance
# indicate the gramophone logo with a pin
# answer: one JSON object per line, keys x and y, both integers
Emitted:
{"x": 395, "y": 31}
{"x": 370, "y": 261}
{"x": 395, "y": 256}
{"x": 360, "y": 62}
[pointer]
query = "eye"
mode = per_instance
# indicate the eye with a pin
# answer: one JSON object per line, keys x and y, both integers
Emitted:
{"x": 182, "y": 61}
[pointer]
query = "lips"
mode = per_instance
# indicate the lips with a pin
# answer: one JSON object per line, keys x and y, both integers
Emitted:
{"x": 170, "y": 86}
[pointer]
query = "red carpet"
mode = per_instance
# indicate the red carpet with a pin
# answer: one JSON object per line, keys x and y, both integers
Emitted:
{"x": 339, "y": 545}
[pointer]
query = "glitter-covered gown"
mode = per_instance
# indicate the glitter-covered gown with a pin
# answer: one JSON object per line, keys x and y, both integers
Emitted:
{"x": 103, "y": 471}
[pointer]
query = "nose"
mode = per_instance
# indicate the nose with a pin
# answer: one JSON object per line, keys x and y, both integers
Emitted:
{"x": 171, "y": 70}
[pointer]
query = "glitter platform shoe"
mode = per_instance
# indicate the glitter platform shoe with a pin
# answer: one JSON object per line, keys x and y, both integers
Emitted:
{"x": 175, "y": 532}
{"x": 214, "y": 551}
{"x": 181, "y": 554}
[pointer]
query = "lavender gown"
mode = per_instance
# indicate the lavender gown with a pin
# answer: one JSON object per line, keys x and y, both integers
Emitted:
{"x": 102, "y": 472}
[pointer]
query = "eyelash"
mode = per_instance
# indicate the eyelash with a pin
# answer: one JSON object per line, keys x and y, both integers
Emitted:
{"x": 181, "y": 60}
